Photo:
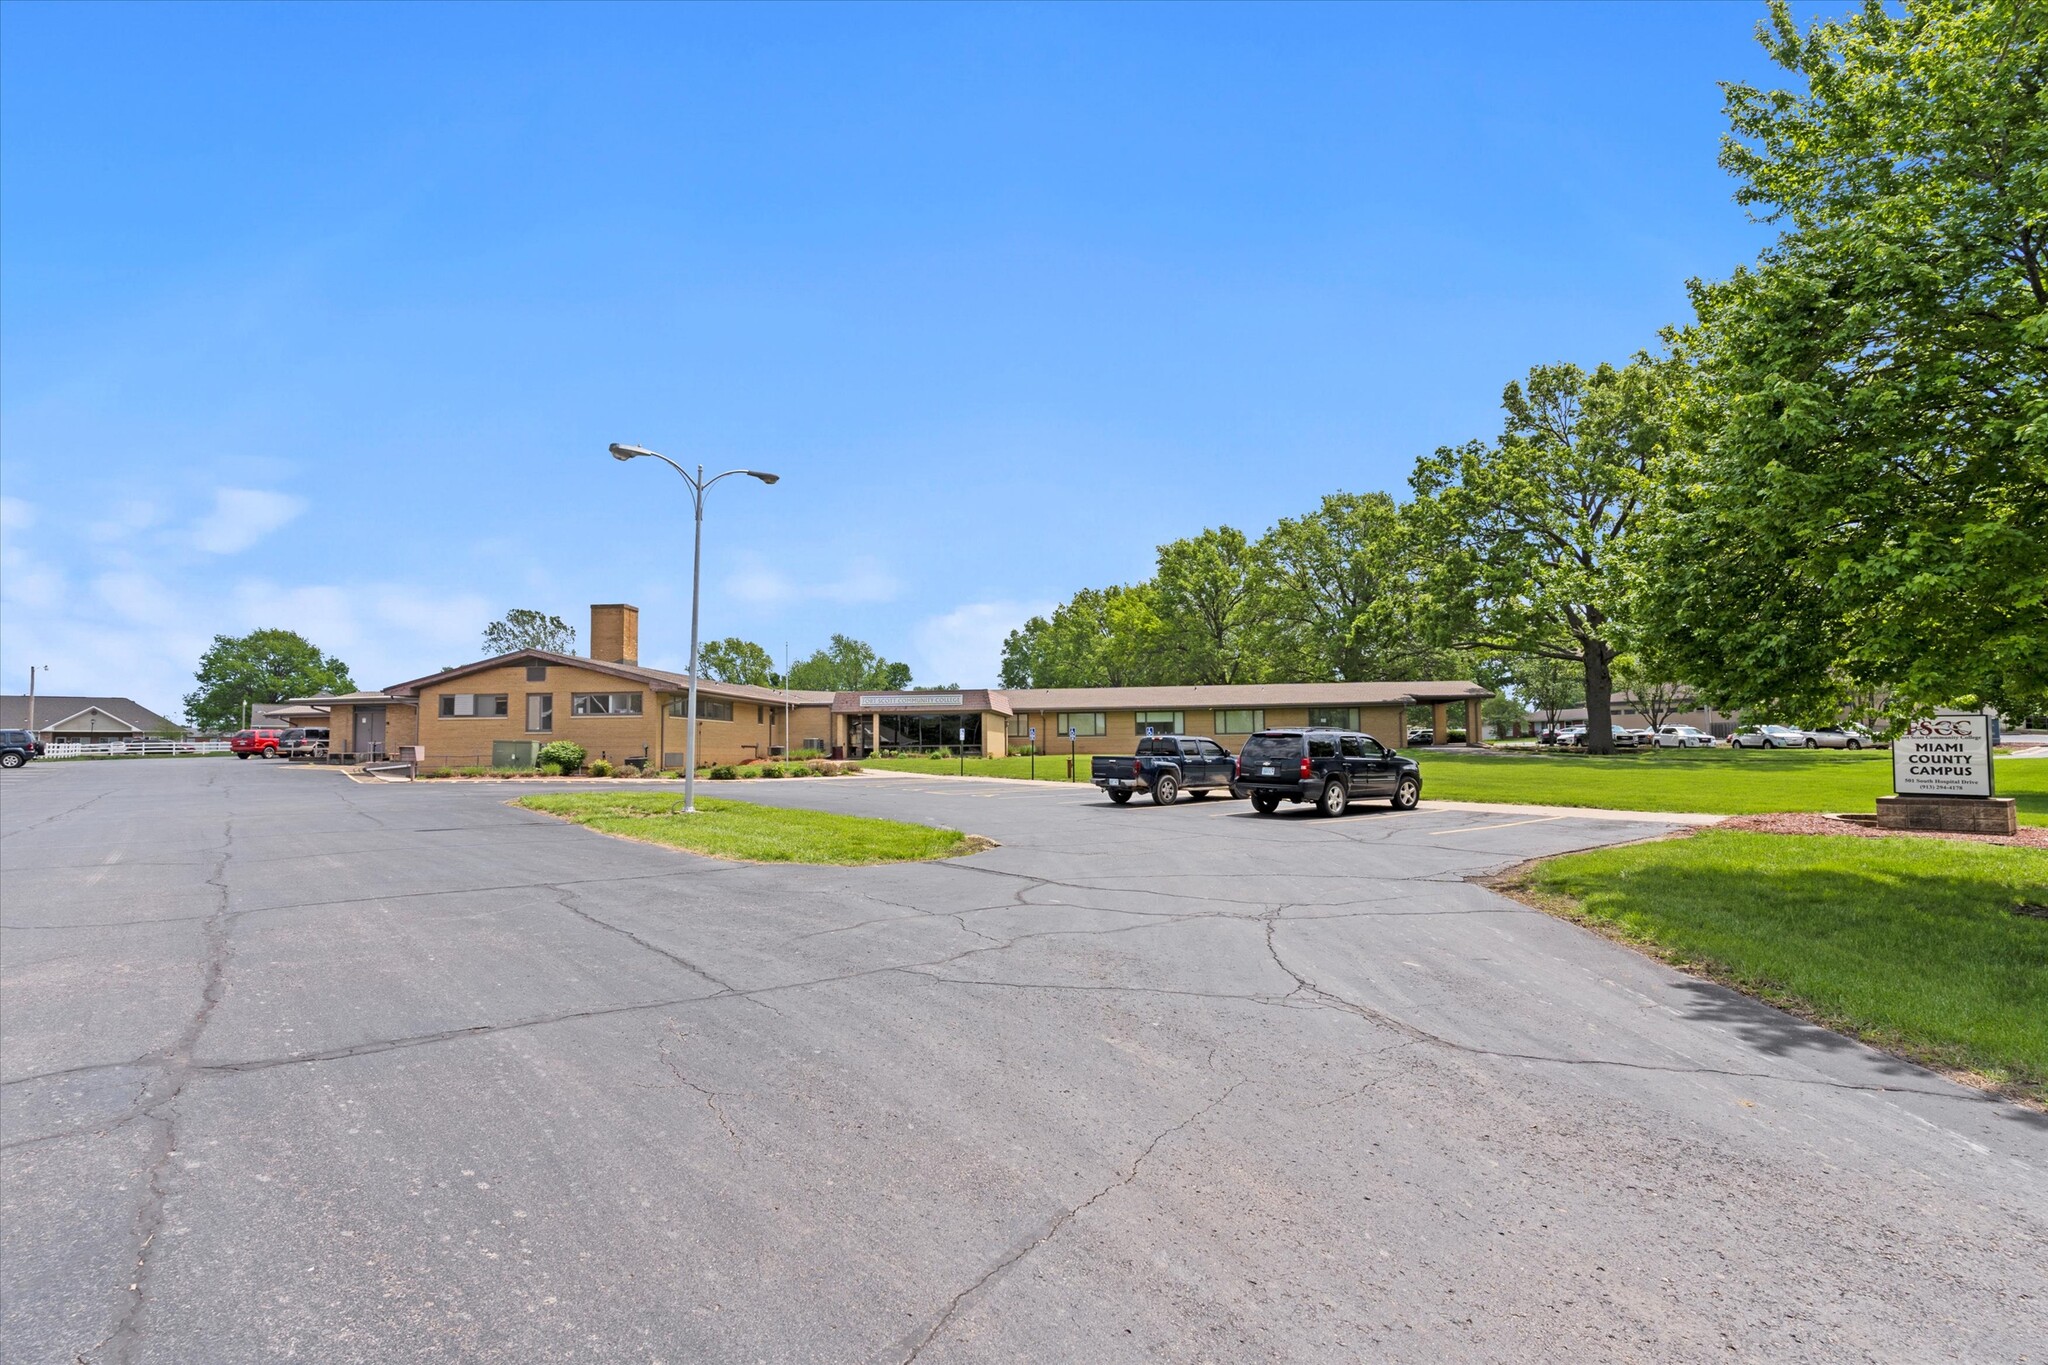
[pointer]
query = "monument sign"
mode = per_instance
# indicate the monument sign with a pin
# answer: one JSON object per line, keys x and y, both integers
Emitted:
{"x": 1947, "y": 754}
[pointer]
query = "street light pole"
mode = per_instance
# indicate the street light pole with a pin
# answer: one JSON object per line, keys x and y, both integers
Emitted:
{"x": 698, "y": 487}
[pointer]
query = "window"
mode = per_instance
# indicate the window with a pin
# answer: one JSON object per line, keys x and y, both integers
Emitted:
{"x": 1322, "y": 746}
{"x": 475, "y": 704}
{"x": 1240, "y": 722}
{"x": 1160, "y": 722}
{"x": 540, "y": 712}
{"x": 708, "y": 708}
{"x": 1017, "y": 726}
{"x": 604, "y": 703}
{"x": 1083, "y": 723}
{"x": 536, "y": 672}
{"x": 1336, "y": 717}
{"x": 1360, "y": 746}
{"x": 1211, "y": 749}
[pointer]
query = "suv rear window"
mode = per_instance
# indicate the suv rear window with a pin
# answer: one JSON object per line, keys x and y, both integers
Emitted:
{"x": 1270, "y": 749}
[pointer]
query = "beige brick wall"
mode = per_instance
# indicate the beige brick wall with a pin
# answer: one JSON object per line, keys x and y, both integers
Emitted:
{"x": 1383, "y": 723}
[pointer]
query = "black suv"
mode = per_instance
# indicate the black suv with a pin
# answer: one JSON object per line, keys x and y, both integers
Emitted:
{"x": 1328, "y": 767}
{"x": 18, "y": 747}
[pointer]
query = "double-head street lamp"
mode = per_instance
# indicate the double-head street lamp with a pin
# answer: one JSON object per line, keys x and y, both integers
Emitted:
{"x": 697, "y": 487}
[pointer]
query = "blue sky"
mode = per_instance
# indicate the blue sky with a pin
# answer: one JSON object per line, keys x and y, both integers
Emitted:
{"x": 322, "y": 317}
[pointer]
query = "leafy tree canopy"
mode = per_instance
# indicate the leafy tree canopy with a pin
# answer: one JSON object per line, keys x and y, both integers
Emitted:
{"x": 733, "y": 660}
{"x": 1525, "y": 539}
{"x": 262, "y": 666}
{"x": 1865, "y": 501}
{"x": 522, "y": 628}
{"x": 849, "y": 665}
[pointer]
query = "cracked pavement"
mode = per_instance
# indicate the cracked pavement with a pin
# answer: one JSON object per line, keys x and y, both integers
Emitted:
{"x": 296, "y": 1067}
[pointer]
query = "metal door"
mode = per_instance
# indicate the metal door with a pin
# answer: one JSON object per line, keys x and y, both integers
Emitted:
{"x": 369, "y": 731}
{"x": 1371, "y": 770}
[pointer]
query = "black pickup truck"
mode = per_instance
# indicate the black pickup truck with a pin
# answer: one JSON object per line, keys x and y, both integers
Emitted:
{"x": 1166, "y": 766}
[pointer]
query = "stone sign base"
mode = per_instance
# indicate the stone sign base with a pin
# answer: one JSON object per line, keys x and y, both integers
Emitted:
{"x": 1949, "y": 814}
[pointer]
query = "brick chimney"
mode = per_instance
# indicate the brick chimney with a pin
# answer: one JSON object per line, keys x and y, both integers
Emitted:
{"x": 615, "y": 633}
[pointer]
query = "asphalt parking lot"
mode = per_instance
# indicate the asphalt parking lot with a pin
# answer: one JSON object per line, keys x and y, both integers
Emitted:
{"x": 301, "y": 1068}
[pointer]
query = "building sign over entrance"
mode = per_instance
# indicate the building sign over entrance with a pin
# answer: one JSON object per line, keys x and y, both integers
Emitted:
{"x": 1948, "y": 754}
{"x": 916, "y": 701}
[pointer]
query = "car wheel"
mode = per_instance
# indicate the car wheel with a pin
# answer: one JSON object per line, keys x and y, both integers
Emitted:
{"x": 1334, "y": 798}
{"x": 11, "y": 760}
{"x": 1265, "y": 803}
{"x": 1855, "y": 743}
{"x": 1813, "y": 744}
{"x": 1198, "y": 794}
{"x": 1408, "y": 794}
{"x": 241, "y": 755}
{"x": 1165, "y": 792}
{"x": 1119, "y": 797}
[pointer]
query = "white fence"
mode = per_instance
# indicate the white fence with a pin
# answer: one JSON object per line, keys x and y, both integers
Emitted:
{"x": 135, "y": 748}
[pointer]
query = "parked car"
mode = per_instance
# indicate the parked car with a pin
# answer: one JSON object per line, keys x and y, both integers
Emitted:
{"x": 1166, "y": 766}
{"x": 1840, "y": 737}
{"x": 261, "y": 743}
{"x": 1767, "y": 737}
{"x": 1421, "y": 734}
{"x": 303, "y": 741}
{"x": 1624, "y": 738}
{"x": 1327, "y": 767}
{"x": 1683, "y": 737}
{"x": 18, "y": 747}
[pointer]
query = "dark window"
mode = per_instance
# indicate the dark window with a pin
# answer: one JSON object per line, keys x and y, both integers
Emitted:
{"x": 1361, "y": 746}
{"x": 459, "y": 704}
{"x": 604, "y": 703}
{"x": 536, "y": 672}
{"x": 708, "y": 708}
{"x": 1322, "y": 746}
{"x": 1211, "y": 749}
{"x": 1336, "y": 717}
{"x": 1281, "y": 748}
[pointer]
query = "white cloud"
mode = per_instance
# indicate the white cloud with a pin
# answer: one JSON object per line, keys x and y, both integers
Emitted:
{"x": 864, "y": 579}
{"x": 965, "y": 645}
{"x": 243, "y": 516}
{"x": 16, "y": 514}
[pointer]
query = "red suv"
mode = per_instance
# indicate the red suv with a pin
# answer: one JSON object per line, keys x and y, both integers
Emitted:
{"x": 262, "y": 743}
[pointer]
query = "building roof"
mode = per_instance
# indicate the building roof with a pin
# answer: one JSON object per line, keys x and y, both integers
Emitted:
{"x": 658, "y": 678}
{"x": 354, "y": 699}
{"x": 1241, "y": 695}
{"x": 51, "y": 709}
{"x": 909, "y": 703}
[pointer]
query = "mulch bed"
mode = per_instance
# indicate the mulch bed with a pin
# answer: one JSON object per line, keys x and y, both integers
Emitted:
{"x": 1803, "y": 822}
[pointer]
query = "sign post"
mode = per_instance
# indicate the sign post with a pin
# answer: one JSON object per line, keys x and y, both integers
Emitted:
{"x": 1942, "y": 778}
{"x": 1034, "y": 753}
{"x": 1072, "y": 731}
{"x": 963, "y": 751}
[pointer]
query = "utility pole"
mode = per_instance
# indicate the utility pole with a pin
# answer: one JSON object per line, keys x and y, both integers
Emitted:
{"x": 32, "y": 698}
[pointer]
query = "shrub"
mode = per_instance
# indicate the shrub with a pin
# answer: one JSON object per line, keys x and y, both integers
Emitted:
{"x": 671, "y": 775}
{"x": 941, "y": 752}
{"x": 566, "y": 755}
{"x": 550, "y": 770}
{"x": 472, "y": 772}
{"x": 438, "y": 772}
{"x": 850, "y": 768}
{"x": 770, "y": 770}
{"x": 600, "y": 768}
{"x": 725, "y": 772}
{"x": 808, "y": 753}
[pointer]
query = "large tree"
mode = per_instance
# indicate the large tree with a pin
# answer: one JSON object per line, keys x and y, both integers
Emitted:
{"x": 1205, "y": 592}
{"x": 1338, "y": 601}
{"x": 1101, "y": 637}
{"x": 524, "y": 628}
{"x": 262, "y": 666}
{"x": 848, "y": 665}
{"x": 1524, "y": 540}
{"x": 733, "y": 660}
{"x": 1865, "y": 503}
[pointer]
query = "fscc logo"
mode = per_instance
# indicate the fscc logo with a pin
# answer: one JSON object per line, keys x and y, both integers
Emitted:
{"x": 1944, "y": 729}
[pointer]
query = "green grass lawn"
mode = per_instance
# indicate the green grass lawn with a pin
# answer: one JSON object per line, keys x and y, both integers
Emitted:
{"x": 1051, "y": 767}
{"x": 755, "y": 833}
{"x": 1714, "y": 781}
{"x": 1912, "y": 944}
